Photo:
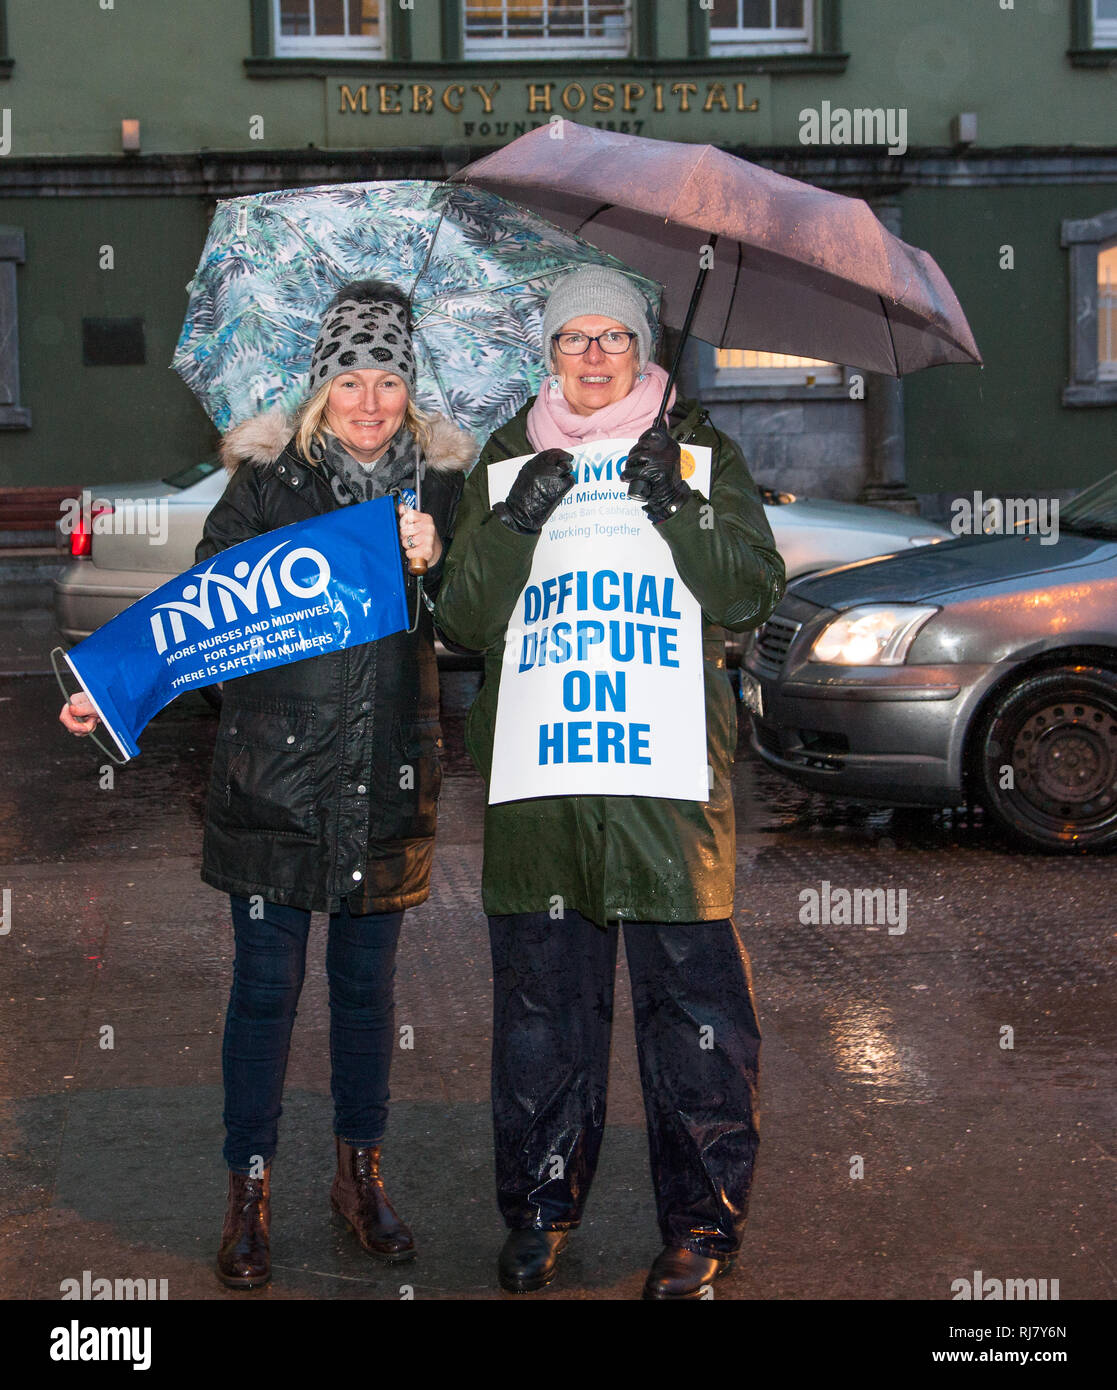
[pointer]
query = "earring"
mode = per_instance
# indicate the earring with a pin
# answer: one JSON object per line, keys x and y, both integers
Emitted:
{"x": 556, "y": 386}
{"x": 642, "y": 377}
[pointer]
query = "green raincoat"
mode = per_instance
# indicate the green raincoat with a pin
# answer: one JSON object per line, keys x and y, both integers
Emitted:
{"x": 616, "y": 857}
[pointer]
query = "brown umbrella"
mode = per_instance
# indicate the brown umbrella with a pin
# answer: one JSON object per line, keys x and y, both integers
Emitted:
{"x": 794, "y": 268}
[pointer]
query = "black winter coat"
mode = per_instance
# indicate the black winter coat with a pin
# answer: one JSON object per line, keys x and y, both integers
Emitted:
{"x": 327, "y": 771}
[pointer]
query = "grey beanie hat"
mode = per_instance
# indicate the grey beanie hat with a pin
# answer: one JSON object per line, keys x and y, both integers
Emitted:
{"x": 595, "y": 289}
{"x": 368, "y": 325}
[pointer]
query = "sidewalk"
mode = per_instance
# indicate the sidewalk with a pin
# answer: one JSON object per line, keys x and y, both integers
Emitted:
{"x": 875, "y": 1046}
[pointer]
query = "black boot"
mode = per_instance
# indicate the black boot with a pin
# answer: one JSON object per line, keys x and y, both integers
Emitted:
{"x": 244, "y": 1260}
{"x": 358, "y": 1197}
{"x": 683, "y": 1273}
{"x": 528, "y": 1259}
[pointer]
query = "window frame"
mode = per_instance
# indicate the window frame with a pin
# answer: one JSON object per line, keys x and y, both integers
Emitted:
{"x": 643, "y": 59}
{"x": 741, "y": 42}
{"x": 542, "y": 48}
{"x": 1107, "y": 366}
{"x": 721, "y": 384}
{"x": 13, "y": 415}
{"x": 1084, "y": 238}
{"x": 7, "y": 62}
{"x": 1093, "y": 41}
{"x": 775, "y": 376}
{"x": 327, "y": 46}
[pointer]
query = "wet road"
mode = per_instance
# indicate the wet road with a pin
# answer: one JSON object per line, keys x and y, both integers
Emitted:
{"x": 905, "y": 1143}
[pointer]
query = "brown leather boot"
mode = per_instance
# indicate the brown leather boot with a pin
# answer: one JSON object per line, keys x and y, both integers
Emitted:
{"x": 244, "y": 1260}
{"x": 358, "y": 1197}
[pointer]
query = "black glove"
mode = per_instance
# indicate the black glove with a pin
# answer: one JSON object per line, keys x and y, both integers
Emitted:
{"x": 540, "y": 486}
{"x": 653, "y": 475}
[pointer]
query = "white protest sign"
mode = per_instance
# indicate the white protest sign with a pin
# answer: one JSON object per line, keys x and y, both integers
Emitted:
{"x": 602, "y": 686}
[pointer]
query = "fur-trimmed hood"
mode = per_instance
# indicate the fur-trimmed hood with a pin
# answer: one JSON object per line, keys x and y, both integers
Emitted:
{"x": 263, "y": 438}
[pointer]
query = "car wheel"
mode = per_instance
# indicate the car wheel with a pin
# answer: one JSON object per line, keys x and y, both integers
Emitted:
{"x": 212, "y": 695}
{"x": 1046, "y": 759}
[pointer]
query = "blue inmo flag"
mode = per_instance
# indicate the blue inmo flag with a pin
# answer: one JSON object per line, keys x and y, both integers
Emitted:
{"x": 287, "y": 595}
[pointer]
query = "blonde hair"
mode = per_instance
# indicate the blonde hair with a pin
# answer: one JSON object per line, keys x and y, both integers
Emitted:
{"x": 311, "y": 430}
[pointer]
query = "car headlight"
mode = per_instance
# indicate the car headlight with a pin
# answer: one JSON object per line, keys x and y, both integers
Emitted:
{"x": 875, "y": 635}
{"x": 926, "y": 540}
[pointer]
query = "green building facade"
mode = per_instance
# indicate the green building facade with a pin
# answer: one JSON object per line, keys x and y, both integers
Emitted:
{"x": 984, "y": 131}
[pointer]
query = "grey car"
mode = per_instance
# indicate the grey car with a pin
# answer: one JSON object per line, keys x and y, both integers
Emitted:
{"x": 984, "y": 669}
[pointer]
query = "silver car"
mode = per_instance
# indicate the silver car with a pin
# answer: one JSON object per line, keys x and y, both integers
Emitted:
{"x": 125, "y": 540}
{"x": 122, "y": 553}
{"x": 982, "y": 670}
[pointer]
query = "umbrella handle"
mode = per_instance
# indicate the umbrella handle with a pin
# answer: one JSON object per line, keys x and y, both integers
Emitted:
{"x": 695, "y": 296}
{"x": 415, "y": 565}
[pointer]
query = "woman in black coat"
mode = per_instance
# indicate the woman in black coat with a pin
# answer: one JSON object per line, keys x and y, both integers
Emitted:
{"x": 326, "y": 773}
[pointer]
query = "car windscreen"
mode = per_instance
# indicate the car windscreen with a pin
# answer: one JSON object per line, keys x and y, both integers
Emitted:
{"x": 195, "y": 473}
{"x": 1093, "y": 512}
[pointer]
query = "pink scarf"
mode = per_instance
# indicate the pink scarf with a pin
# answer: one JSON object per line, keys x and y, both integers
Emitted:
{"x": 551, "y": 424}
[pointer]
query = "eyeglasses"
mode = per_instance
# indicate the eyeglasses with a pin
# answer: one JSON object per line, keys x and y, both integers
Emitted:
{"x": 614, "y": 342}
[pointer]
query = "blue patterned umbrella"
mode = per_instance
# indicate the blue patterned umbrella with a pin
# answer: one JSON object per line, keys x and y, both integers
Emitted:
{"x": 478, "y": 270}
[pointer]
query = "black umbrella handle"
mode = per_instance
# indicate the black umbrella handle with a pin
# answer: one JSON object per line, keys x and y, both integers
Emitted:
{"x": 695, "y": 296}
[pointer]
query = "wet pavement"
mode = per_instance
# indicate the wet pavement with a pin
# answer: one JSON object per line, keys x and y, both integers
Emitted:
{"x": 885, "y": 1052}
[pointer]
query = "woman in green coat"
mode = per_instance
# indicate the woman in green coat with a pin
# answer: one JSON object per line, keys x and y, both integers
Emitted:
{"x": 665, "y": 868}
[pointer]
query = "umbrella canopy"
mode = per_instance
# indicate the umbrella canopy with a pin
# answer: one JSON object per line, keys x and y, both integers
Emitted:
{"x": 478, "y": 271}
{"x": 795, "y": 269}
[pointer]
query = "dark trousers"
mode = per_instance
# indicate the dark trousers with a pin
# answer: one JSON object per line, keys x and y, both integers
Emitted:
{"x": 267, "y": 979}
{"x": 698, "y": 1043}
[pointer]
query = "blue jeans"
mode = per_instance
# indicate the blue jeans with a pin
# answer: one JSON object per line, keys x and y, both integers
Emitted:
{"x": 267, "y": 979}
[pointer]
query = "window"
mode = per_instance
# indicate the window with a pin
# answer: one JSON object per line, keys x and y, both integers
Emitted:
{"x": 744, "y": 367}
{"x": 1092, "y": 243}
{"x": 1093, "y": 41}
{"x": 13, "y": 416}
{"x": 1107, "y": 313}
{"x": 328, "y": 28}
{"x": 513, "y": 28}
{"x": 1105, "y": 23}
{"x": 761, "y": 26}
{"x": 6, "y": 62}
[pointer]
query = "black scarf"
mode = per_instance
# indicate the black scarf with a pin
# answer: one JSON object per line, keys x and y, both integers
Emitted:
{"x": 353, "y": 481}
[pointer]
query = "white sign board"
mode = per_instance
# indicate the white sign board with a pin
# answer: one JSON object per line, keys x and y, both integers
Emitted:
{"x": 601, "y": 688}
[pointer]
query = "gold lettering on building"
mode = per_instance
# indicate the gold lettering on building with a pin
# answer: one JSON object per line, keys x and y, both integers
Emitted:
{"x": 753, "y": 105}
{"x": 543, "y": 98}
{"x": 351, "y": 98}
{"x": 487, "y": 97}
{"x": 388, "y": 95}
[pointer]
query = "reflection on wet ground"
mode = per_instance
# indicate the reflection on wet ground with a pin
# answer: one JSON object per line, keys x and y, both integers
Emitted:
{"x": 964, "y": 1064}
